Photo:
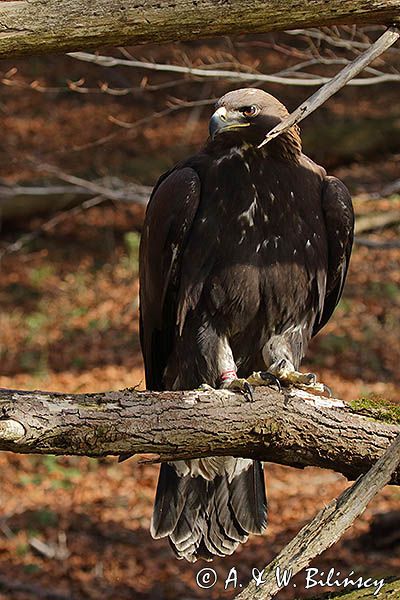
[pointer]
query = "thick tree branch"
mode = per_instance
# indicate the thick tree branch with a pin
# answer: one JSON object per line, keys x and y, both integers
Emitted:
{"x": 294, "y": 428}
{"x": 43, "y": 26}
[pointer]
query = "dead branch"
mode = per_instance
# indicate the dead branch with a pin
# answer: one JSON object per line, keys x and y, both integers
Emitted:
{"x": 376, "y": 221}
{"x": 387, "y": 190}
{"x": 46, "y": 26}
{"x": 391, "y": 188}
{"x": 387, "y": 39}
{"x": 338, "y": 40}
{"x": 24, "y": 201}
{"x": 60, "y": 217}
{"x": 292, "y": 428}
{"x": 327, "y": 527}
{"x": 297, "y": 78}
{"x": 140, "y": 192}
{"x": 377, "y": 244}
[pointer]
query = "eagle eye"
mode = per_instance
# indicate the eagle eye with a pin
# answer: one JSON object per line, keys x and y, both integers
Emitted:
{"x": 249, "y": 111}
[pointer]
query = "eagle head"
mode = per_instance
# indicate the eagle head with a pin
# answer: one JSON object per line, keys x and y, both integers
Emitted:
{"x": 246, "y": 115}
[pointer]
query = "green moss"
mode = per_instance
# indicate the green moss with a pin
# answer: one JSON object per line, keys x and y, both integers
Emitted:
{"x": 377, "y": 408}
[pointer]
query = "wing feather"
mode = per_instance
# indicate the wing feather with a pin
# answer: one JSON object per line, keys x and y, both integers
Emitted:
{"x": 169, "y": 218}
{"x": 339, "y": 221}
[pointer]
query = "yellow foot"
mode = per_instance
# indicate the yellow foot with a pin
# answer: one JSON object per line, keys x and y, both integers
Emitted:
{"x": 204, "y": 387}
{"x": 258, "y": 378}
{"x": 245, "y": 386}
{"x": 287, "y": 374}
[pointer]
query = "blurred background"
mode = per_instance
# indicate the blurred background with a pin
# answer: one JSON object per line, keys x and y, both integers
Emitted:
{"x": 83, "y": 139}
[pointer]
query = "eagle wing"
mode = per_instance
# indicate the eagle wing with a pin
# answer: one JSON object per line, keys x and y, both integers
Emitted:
{"x": 169, "y": 217}
{"x": 338, "y": 213}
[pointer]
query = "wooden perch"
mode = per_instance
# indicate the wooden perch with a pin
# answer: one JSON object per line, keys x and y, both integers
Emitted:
{"x": 44, "y": 26}
{"x": 293, "y": 428}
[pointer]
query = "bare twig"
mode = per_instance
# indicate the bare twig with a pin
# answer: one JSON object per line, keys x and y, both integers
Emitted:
{"x": 91, "y": 186}
{"x": 376, "y": 221}
{"x": 139, "y": 193}
{"x": 132, "y": 127}
{"x": 391, "y": 188}
{"x": 174, "y": 106}
{"x": 58, "y": 550}
{"x": 327, "y": 527}
{"x": 47, "y": 226}
{"x": 120, "y": 191}
{"x": 377, "y": 244}
{"x": 332, "y": 40}
{"x": 387, "y": 39}
{"x": 10, "y": 192}
{"x": 301, "y": 79}
{"x": 80, "y": 88}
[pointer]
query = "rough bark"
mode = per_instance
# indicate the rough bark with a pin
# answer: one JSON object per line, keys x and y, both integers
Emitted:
{"x": 294, "y": 428}
{"x": 43, "y": 26}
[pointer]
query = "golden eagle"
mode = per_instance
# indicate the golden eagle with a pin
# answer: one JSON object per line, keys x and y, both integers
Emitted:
{"x": 243, "y": 258}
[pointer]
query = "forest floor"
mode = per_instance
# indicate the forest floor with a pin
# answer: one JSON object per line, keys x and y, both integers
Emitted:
{"x": 69, "y": 322}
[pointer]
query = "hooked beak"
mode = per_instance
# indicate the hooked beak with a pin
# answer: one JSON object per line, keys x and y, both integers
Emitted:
{"x": 221, "y": 120}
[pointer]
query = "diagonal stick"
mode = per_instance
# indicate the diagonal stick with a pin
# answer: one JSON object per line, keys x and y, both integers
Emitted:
{"x": 327, "y": 527}
{"x": 387, "y": 39}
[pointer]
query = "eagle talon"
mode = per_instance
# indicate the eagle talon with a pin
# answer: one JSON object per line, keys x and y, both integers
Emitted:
{"x": 327, "y": 390}
{"x": 287, "y": 375}
{"x": 248, "y": 392}
{"x": 264, "y": 378}
{"x": 310, "y": 378}
{"x": 204, "y": 387}
{"x": 240, "y": 385}
{"x": 316, "y": 388}
{"x": 271, "y": 379}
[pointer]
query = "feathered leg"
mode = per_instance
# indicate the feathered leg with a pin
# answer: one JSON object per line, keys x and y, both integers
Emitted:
{"x": 282, "y": 355}
{"x": 207, "y": 507}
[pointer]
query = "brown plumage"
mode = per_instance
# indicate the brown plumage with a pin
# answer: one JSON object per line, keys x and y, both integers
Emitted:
{"x": 243, "y": 258}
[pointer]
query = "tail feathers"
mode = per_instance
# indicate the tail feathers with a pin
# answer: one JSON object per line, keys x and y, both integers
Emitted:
{"x": 249, "y": 490}
{"x": 170, "y": 501}
{"x": 204, "y": 518}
